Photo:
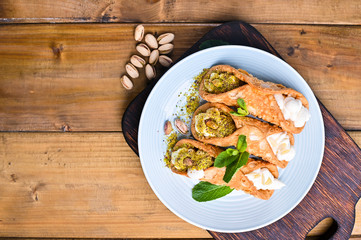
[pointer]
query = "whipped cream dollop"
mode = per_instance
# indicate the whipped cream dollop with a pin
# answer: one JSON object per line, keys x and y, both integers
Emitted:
{"x": 293, "y": 110}
{"x": 195, "y": 174}
{"x": 263, "y": 179}
{"x": 281, "y": 146}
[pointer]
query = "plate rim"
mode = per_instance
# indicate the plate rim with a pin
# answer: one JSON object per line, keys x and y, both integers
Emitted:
{"x": 193, "y": 55}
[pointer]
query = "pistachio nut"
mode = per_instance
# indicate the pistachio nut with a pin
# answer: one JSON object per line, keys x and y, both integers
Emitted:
{"x": 150, "y": 71}
{"x": 165, "y": 61}
{"x": 166, "y": 48}
{"x": 181, "y": 126}
{"x": 143, "y": 49}
{"x": 151, "y": 41}
{"x": 168, "y": 127}
{"x": 165, "y": 38}
{"x": 139, "y": 33}
{"x": 131, "y": 70}
{"x": 153, "y": 58}
{"x": 188, "y": 162}
{"x": 126, "y": 82}
{"x": 137, "y": 61}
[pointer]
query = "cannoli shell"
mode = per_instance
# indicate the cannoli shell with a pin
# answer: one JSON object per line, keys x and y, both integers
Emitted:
{"x": 256, "y": 133}
{"x": 240, "y": 181}
{"x": 258, "y": 95}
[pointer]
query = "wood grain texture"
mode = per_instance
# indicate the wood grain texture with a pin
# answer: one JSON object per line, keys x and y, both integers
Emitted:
{"x": 252, "y": 11}
{"x": 66, "y": 77}
{"x": 79, "y": 185}
{"x": 86, "y": 185}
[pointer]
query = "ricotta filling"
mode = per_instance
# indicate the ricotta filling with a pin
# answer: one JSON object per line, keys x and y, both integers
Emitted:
{"x": 293, "y": 110}
{"x": 281, "y": 146}
{"x": 263, "y": 179}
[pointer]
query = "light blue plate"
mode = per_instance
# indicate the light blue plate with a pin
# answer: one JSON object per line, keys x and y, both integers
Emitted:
{"x": 237, "y": 212}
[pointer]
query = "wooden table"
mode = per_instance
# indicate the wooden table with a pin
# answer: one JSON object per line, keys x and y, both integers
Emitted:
{"x": 65, "y": 169}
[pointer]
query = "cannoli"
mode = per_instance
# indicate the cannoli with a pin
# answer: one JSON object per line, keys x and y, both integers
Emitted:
{"x": 257, "y": 177}
{"x": 271, "y": 102}
{"x": 195, "y": 160}
{"x": 212, "y": 123}
{"x": 190, "y": 157}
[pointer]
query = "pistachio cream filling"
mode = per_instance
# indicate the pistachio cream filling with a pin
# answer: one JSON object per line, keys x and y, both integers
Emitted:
{"x": 187, "y": 157}
{"x": 214, "y": 123}
{"x": 219, "y": 82}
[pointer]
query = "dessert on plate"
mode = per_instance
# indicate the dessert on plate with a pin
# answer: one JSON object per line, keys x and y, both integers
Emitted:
{"x": 195, "y": 160}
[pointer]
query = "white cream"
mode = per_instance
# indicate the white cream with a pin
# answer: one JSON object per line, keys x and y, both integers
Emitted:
{"x": 195, "y": 174}
{"x": 281, "y": 146}
{"x": 263, "y": 179}
{"x": 293, "y": 110}
{"x": 174, "y": 156}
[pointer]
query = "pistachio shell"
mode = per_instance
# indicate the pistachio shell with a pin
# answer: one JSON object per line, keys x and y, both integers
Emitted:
{"x": 137, "y": 61}
{"x": 143, "y": 49}
{"x": 126, "y": 82}
{"x": 151, "y": 41}
{"x": 131, "y": 70}
{"x": 139, "y": 33}
{"x": 165, "y": 38}
{"x": 165, "y": 61}
{"x": 166, "y": 48}
{"x": 181, "y": 126}
{"x": 150, "y": 71}
{"x": 168, "y": 127}
{"x": 153, "y": 58}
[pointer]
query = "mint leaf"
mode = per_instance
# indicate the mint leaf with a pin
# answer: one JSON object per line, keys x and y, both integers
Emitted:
{"x": 220, "y": 159}
{"x": 236, "y": 114}
{"x": 242, "y": 143}
{"x": 241, "y": 103}
{"x": 226, "y": 157}
{"x": 205, "y": 191}
{"x": 235, "y": 166}
{"x": 231, "y": 151}
{"x": 242, "y": 110}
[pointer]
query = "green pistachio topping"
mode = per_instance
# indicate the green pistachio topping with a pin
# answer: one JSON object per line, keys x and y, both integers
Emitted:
{"x": 214, "y": 123}
{"x": 187, "y": 157}
{"x": 219, "y": 82}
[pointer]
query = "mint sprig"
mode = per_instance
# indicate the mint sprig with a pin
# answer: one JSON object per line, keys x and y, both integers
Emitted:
{"x": 242, "y": 110}
{"x": 233, "y": 160}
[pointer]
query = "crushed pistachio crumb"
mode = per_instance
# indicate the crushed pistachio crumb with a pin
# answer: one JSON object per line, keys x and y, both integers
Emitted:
{"x": 171, "y": 141}
{"x": 185, "y": 111}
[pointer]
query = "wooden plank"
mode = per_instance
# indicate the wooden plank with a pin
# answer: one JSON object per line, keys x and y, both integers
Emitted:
{"x": 85, "y": 185}
{"x": 79, "y": 185}
{"x": 78, "y": 88}
{"x": 252, "y": 11}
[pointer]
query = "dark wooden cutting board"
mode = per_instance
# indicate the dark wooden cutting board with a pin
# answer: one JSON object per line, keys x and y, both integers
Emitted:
{"x": 338, "y": 184}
